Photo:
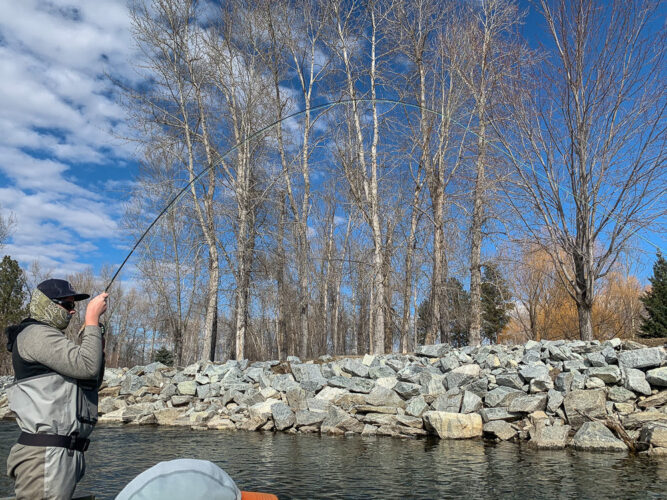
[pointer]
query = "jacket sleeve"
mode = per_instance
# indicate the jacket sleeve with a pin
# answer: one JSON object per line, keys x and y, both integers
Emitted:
{"x": 51, "y": 348}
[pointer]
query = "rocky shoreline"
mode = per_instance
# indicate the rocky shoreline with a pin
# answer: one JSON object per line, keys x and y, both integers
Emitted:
{"x": 553, "y": 394}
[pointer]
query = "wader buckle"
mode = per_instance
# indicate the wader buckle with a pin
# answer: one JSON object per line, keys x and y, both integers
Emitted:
{"x": 77, "y": 444}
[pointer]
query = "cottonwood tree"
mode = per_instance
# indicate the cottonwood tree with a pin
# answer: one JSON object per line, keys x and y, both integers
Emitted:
{"x": 425, "y": 34}
{"x": 239, "y": 80}
{"x": 175, "y": 108}
{"x": 362, "y": 167}
{"x": 491, "y": 58}
{"x": 589, "y": 142}
{"x": 296, "y": 50}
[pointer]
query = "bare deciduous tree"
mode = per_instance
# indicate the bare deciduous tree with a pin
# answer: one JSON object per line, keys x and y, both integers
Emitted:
{"x": 175, "y": 108}
{"x": 6, "y": 224}
{"x": 589, "y": 146}
{"x": 490, "y": 57}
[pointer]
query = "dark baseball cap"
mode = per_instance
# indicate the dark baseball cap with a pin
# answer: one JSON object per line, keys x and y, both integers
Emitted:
{"x": 59, "y": 289}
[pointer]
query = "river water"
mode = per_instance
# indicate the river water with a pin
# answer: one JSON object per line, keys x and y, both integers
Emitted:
{"x": 312, "y": 466}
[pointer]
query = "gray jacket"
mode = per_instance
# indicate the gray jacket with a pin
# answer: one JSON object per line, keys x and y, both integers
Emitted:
{"x": 55, "y": 391}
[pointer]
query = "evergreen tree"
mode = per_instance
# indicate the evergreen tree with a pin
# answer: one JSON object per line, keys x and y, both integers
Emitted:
{"x": 13, "y": 293}
{"x": 164, "y": 356}
{"x": 458, "y": 312}
{"x": 13, "y": 304}
{"x": 495, "y": 302}
{"x": 655, "y": 302}
{"x": 423, "y": 320}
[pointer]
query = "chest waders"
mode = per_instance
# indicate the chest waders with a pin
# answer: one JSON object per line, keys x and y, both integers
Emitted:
{"x": 56, "y": 415}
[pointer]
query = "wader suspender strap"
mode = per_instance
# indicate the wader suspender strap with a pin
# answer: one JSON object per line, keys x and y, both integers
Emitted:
{"x": 71, "y": 442}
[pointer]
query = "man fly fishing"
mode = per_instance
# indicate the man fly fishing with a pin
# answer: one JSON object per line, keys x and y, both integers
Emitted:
{"x": 54, "y": 394}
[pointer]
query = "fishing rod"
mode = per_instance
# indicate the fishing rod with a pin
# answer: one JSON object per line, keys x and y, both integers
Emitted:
{"x": 318, "y": 108}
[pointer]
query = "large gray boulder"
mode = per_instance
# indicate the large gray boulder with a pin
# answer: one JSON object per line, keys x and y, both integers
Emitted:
{"x": 168, "y": 391}
{"x": 411, "y": 373}
{"x": 354, "y": 367}
{"x": 537, "y": 370}
{"x": 594, "y": 436}
{"x": 528, "y": 403}
{"x": 549, "y": 436}
{"x": 574, "y": 364}
{"x": 306, "y": 417}
{"x": 654, "y": 434}
{"x": 203, "y": 391}
{"x": 328, "y": 393}
{"x": 352, "y": 384}
{"x": 283, "y": 416}
{"x": 501, "y": 396}
{"x": 649, "y": 357}
{"x": 639, "y": 419}
{"x": 338, "y": 422}
{"x": 531, "y": 356}
{"x": 563, "y": 382}
{"x": 381, "y": 396}
{"x": 542, "y": 383}
{"x": 262, "y": 409}
{"x": 433, "y": 351}
{"x": 453, "y": 425}
{"x": 657, "y": 377}
{"x": 432, "y": 383}
{"x": 635, "y": 380}
{"x": 499, "y": 429}
{"x": 308, "y": 372}
{"x": 512, "y": 380}
{"x": 462, "y": 375}
{"x": 448, "y": 363}
{"x": 596, "y": 359}
{"x": 491, "y": 414}
{"x": 255, "y": 373}
{"x": 283, "y": 382}
{"x": 155, "y": 366}
{"x": 450, "y": 403}
{"x": 608, "y": 374}
{"x": 471, "y": 402}
{"x": 582, "y": 405}
{"x": 479, "y": 386}
{"x": 407, "y": 390}
{"x": 554, "y": 400}
{"x": 381, "y": 371}
{"x": 188, "y": 388}
{"x": 131, "y": 383}
{"x": 620, "y": 394}
{"x": 416, "y": 406}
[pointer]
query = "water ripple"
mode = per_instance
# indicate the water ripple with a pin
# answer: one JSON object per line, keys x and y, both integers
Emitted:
{"x": 314, "y": 467}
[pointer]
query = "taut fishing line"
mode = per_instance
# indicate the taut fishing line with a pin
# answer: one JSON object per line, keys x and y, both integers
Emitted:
{"x": 316, "y": 109}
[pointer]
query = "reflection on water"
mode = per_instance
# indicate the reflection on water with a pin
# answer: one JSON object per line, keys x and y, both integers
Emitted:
{"x": 312, "y": 466}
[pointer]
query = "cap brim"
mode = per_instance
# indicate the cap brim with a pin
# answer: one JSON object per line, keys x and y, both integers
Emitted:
{"x": 81, "y": 296}
{"x": 252, "y": 495}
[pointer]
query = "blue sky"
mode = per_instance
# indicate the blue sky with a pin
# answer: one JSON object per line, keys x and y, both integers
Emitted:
{"x": 64, "y": 168}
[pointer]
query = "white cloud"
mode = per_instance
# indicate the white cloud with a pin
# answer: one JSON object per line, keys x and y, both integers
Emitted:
{"x": 59, "y": 123}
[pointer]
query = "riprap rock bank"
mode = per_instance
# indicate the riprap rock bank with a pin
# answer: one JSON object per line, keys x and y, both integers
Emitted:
{"x": 588, "y": 395}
